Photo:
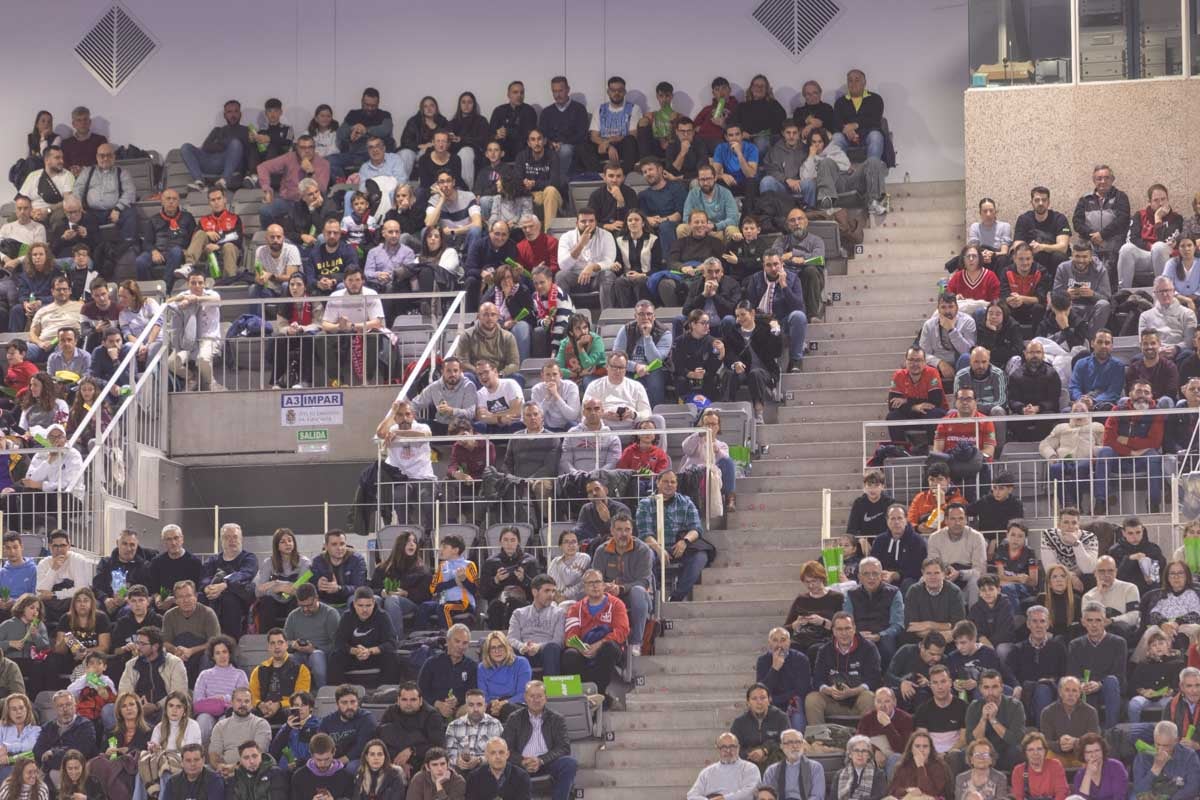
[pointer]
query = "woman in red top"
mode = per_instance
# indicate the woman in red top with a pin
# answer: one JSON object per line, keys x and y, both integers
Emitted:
{"x": 971, "y": 281}
{"x": 644, "y": 455}
{"x": 1039, "y": 776}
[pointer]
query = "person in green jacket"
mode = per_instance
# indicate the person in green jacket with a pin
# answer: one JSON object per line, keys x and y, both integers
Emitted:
{"x": 256, "y": 777}
{"x": 581, "y": 352}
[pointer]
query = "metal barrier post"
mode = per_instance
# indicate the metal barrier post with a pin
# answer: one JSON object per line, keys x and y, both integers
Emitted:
{"x": 662, "y": 549}
{"x": 709, "y": 463}
{"x": 216, "y": 529}
{"x": 325, "y": 520}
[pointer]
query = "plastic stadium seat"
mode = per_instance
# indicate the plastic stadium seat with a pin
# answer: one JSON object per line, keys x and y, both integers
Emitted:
{"x": 251, "y": 650}
{"x": 142, "y": 172}
{"x": 581, "y": 191}
{"x": 468, "y": 532}
{"x": 386, "y": 538}
{"x": 492, "y": 536}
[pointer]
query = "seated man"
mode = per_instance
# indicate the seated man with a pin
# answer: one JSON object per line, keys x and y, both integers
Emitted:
{"x": 1098, "y": 379}
{"x": 1153, "y": 367}
{"x": 109, "y": 193}
{"x": 196, "y": 335}
{"x": 586, "y": 455}
{"x": 498, "y": 402}
{"x": 845, "y": 674}
{"x": 66, "y": 731}
{"x": 944, "y": 714}
{"x": 916, "y": 393}
{"x": 391, "y": 265}
{"x": 227, "y": 152}
{"x": 717, "y": 203}
{"x": 730, "y": 776}
{"x": 356, "y": 309}
{"x": 1036, "y": 663}
{"x": 644, "y": 342}
{"x": 624, "y": 399}
{"x": 364, "y": 646}
{"x": 411, "y": 727}
{"x": 759, "y": 728}
{"x": 323, "y": 775}
{"x": 348, "y": 726}
{"x": 1033, "y": 388}
{"x": 777, "y": 293}
{"x": 537, "y": 168}
{"x": 77, "y": 227}
{"x": 908, "y": 672}
{"x": 538, "y": 742}
{"x": 290, "y": 168}
{"x": 228, "y": 582}
{"x": 599, "y": 620}
{"x": 357, "y": 128}
{"x": 456, "y": 212}
{"x": 512, "y": 121}
{"x": 467, "y": 736}
{"x": 900, "y": 550}
{"x": 338, "y": 572}
{"x": 310, "y": 630}
{"x": 877, "y": 608}
{"x": 962, "y": 550}
{"x": 613, "y": 200}
{"x": 1174, "y": 321}
{"x": 1138, "y": 442}
{"x": 328, "y": 263}
{"x": 304, "y": 224}
{"x": 794, "y": 770}
{"x": 187, "y": 628}
{"x": 1071, "y": 547}
{"x": 931, "y": 604}
{"x": 488, "y": 340}
{"x": 194, "y": 779}
{"x": 558, "y": 399}
{"x": 586, "y": 256}
{"x": 1046, "y": 232}
{"x": 535, "y": 631}
{"x": 484, "y": 256}
{"x": 1065, "y": 722}
{"x": 164, "y": 238}
{"x": 449, "y": 675}
{"x": 235, "y": 729}
{"x": 1024, "y": 286}
{"x": 1121, "y": 599}
{"x": 829, "y": 171}
{"x": 804, "y": 253}
{"x": 1085, "y": 281}
{"x": 735, "y": 159}
{"x": 595, "y": 517}
{"x": 947, "y": 336}
{"x": 626, "y": 563}
{"x": 173, "y": 564}
{"x": 275, "y": 680}
{"x": 714, "y": 293}
{"x": 46, "y": 186}
{"x": 684, "y": 259}
{"x": 999, "y": 719}
{"x": 450, "y": 396}
{"x": 990, "y": 383}
{"x": 380, "y": 163}
{"x": 1139, "y": 561}
{"x": 868, "y": 512}
{"x": 1172, "y": 772}
{"x": 786, "y": 674}
{"x": 966, "y": 447}
{"x": 859, "y": 117}
{"x": 661, "y": 201}
{"x": 782, "y": 166}
{"x": 1098, "y": 659}
{"x": 218, "y": 239}
{"x": 1151, "y": 232}
{"x": 565, "y": 123}
{"x": 613, "y": 133}
{"x": 970, "y": 658}
{"x": 683, "y": 534}
{"x": 533, "y": 457}
{"x": 121, "y": 569}
{"x": 404, "y": 475}
{"x": 274, "y": 264}
{"x": 51, "y": 319}
{"x": 498, "y": 776}
{"x": 139, "y": 679}
{"x": 887, "y": 726}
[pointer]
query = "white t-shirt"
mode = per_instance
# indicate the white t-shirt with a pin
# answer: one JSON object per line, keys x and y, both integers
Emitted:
{"x": 289, "y": 256}
{"x": 353, "y": 307}
{"x": 506, "y": 396}
{"x": 412, "y": 456}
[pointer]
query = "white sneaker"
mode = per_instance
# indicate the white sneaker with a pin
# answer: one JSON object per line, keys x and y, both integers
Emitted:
{"x": 197, "y": 186}
{"x": 221, "y": 184}
{"x": 183, "y": 270}
{"x": 636, "y": 650}
{"x": 758, "y": 419}
{"x": 876, "y": 208}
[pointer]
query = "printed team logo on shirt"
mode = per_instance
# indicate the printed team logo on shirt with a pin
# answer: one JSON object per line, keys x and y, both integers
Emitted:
{"x": 497, "y": 404}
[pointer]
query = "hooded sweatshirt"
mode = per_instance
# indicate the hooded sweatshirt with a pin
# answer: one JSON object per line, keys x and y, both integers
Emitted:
{"x": 251, "y": 786}
{"x": 349, "y": 735}
{"x": 420, "y": 730}
{"x": 309, "y": 778}
{"x": 903, "y": 555}
{"x": 374, "y": 631}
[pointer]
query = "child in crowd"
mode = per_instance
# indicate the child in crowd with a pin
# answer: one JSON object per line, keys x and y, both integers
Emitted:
{"x": 743, "y": 257}
{"x": 969, "y": 659}
{"x": 868, "y": 512}
{"x": 924, "y": 513}
{"x": 851, "y": 555}
{"x": 358, "y": 227}
{"x": 93, "y": 690}
{"x": 1016, "y": 565}
{"x": 654, "y": 129}
{"x": 1156, "y": 678}
{"x": 275, "y": 138}
{"x": 454, "y": 583}
{"x": 992, "y": 513}
{"x": 993, "y": 617}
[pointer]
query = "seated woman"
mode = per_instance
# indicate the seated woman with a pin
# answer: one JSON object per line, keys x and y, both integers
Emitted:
{"x": 438, "y": 263}
{"x": 293, "y": 349}
{"x": 174, "y": 730}
{"x": 697, "y": 356}
{"x": 25, "y": 783}
{"x": 698, "y": 454}
{"x": 86, "y": 396}
{"x": 640, "y": 253}
{"x": 1039, "y": 775}
{"x": 136, "y": 313}
{"x": 506, "y": 579}
{"x": 1174, "y": 609}
{"x": 860, "y": 778}
{"x": 41, "y": 406}
{"x": 1060, "y": 600}
{"x": 645, "y": 455}
{"x": 275, "y": 584}
{"x": 213, "y": 693}
{"x": 402, "y": 581}
{"x": 752, "y": 349}
{"x": 581, "y": 354}
{"x": 83, "y": 630}
{"x": 1000, "y": 334}
{"x": 22, "y": 634}
{"x": 993, "y": 236}
{"x": 1101, "y": 778}
{"x": 810, "y": 619}
{"x": 971, "y": 282}
{"x": 123, "y": 743}
{"x": 502, "y": 676}
{"x": 75, "y": 779}
{"x": 1156, "y": 679}
{"x": 920, "y": 768}
{"x": 289, "y": 747}
{"x": 981, "y": 779}
{"x": 514, "y": 301}
{"x": 1183, "y": 273}
{"x": 18, "y": 728}
{"x": 568, "y": 566}
{"x": 33, "y": 289}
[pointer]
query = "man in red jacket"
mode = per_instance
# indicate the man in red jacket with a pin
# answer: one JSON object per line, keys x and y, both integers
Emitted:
{"x": 218, "y": 233}
{"x": 1137, "y": 440}
{"x": 600, "y": 622}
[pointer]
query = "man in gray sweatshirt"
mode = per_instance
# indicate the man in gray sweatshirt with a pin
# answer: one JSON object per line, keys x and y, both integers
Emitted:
{"x": 310, "y": 629}
{"x": 448, "y": 397}
{"x": 781, "y": 166}
{"x": 534, "y": 457}
{"x": 947, "y": 336}
{"x": 108, "y": 192}
{"x": 1085, "y": 280}
{"x": 628, "y": 568}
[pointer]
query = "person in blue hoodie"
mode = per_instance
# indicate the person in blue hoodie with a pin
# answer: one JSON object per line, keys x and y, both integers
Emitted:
{"x": 337, "y": 571}
{"x": 900, "y": 549}
{"x": 365, "y": 640}
{"x": 290, "y": 745}
{"x": 323, "y": 772}
{"x": 348, "y": 728}
{"x": 502, "y": 676}
{"x": 18, "y": 574}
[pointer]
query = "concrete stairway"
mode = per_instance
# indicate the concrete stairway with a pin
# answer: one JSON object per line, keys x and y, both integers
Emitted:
{"x": 695, "y": 684}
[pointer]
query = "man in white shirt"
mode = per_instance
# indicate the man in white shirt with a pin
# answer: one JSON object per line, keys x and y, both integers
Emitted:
{"x": 1175, "y": 322}
{"x": 559, "y": 399}
{"x": 587, "y": 256}
{"x": 355, "y": 309}
{"x": 24, "y": 231}
{"x": 61, "y": 575}
{"x": 731, "y": 777}
{"x": 46, "y": 186}
{"x": 498, "y": 401}
{"x": 624, "y": 399}
{"x": 196, "y": 332}
{"x": 274, "y": 263}
{"x": 406, "y": 468}
{"x": 50, "y": 319}
{"x": 1121, "y": 600}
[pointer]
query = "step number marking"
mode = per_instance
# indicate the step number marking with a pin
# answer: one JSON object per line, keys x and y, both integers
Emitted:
{"x": 837, "y": 297}
{"x": 610, "y": 736}
{"x": 668, "y": 624}
{"x": 858, "y": 249}
{"x": 639, "y": 680}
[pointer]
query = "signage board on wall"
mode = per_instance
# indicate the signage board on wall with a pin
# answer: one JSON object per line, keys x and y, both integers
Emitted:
{"x": 311, "y": 409}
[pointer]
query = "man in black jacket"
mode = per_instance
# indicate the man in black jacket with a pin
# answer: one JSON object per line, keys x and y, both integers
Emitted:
{"x": 67, "y": 731}
{"x": 1034, "y": 388}
{"x": 550, "y": 754}
{"x": 713, "y": 292}
{"x": 1102, "y": 218}
{"x": 498, "y": 778}
{"x": 537, "y": 168}
{"x": 164, "y": 238}
{"x": 306, "y": 221}
{"x": 859, "y": 116}
{"x": 227, "y": 152}
{"x": 759, "y": 728}
{"x": 411, "y": 727}
{"x": 511, "y": 122}
{"x": 364, "y": 641}
{"x": 121, "y": 569}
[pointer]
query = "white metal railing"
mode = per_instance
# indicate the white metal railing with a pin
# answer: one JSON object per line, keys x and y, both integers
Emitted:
{"x": 428, "y": 356}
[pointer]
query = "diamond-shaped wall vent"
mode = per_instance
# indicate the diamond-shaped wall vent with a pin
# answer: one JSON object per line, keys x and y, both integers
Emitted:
{"x": 795, "y": 24}
{"x": 115, "y": 48}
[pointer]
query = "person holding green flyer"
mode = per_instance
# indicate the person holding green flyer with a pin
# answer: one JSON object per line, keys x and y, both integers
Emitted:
{"x": 1156, "y": 679}
{"x": 121, "y": 569}
{"x": 277, "y": 579}
{"x": 1171, "y": 771}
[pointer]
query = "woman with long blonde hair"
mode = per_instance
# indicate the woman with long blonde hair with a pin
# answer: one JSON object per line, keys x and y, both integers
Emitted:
{"x": 502, "y": 675}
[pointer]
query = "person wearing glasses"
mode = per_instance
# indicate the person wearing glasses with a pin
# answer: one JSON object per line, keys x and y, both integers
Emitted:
{"x": 730, "y": 776}
{"x": 860, "y": 779}
{"x": 981, "y": 780}
{"x": 796, "y": 770}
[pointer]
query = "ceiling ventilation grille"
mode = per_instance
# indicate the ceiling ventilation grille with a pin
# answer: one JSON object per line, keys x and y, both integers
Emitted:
{"x": 115, "y": 48}
{"x": 795, "y": 24}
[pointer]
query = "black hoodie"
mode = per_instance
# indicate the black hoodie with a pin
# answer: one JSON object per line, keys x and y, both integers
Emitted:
{"x": 375, "y": 631}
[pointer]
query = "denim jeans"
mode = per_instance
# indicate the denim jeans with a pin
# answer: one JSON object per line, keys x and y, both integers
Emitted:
{"x": 397, "y": 608}
{"x": 566, "y": 159}
{"x": 549, "y": 658}
{"x": 272, "y": 211}
{"x": 225, "y": 164}
{"x": 874, "y": 142}
{"x": 728, "y": 472}
{"x": 797, "y": 328}
{"x": 522, "y": 333}
{"x": 1108, "y": 699}
{"x": 807, "y": 193}
{"x": 1071, "y": 476}
{"x": 1138, "y": 704}
{"x": 1149, "y": 465}
{"x": 562, "y": 776}
{"x": 655, "y": 384}
{"x": 690, "y": 567}
{"x": 638, "y": 603}
{"x": 317, "y": 663}
{"x": 147, "y": 270}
